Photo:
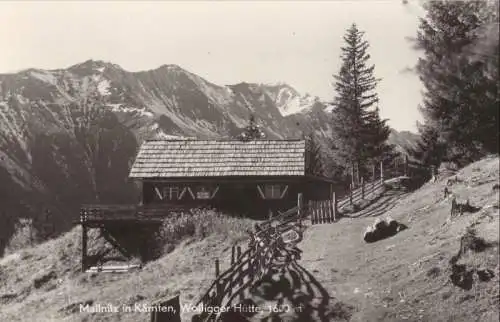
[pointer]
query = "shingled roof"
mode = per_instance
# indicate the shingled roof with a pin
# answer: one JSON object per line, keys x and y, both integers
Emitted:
{"x": 216, "y": 158}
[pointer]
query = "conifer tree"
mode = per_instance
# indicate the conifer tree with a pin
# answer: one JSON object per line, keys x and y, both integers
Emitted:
{"x": 252, "y": 131}
{"x": 460, "y": 105}
{"x": 359, "y": 133}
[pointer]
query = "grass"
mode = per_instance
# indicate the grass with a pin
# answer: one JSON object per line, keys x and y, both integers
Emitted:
{"x": 402, "y": 278}
{"x": 407, "y": 277}
{"x": 45, "y": 281}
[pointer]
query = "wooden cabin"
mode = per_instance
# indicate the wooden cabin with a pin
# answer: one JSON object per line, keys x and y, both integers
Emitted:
{"x": 247, "y": 177}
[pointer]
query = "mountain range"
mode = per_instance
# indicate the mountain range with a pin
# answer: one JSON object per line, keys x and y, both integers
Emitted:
{"x": 69, "y": 136}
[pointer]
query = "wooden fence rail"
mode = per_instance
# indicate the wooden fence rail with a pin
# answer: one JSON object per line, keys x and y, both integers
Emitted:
{"x": 367, "y": 190}
{"x": 264, "y": 246}
{"x": 267, "y": 247}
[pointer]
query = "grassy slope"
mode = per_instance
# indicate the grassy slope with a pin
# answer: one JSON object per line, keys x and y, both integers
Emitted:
{"x": 406, "y": 277}
{"x": 187, "y": 270}
{"x": 408, "y": 273}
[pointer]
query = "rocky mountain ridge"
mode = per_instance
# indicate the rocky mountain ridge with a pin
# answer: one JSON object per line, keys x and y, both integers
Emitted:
{"x": 68, "y": 136}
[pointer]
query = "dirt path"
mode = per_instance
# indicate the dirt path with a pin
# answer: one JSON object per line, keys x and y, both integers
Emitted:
{"x": 406, "y": 277}
{"x": 382, "y": 205}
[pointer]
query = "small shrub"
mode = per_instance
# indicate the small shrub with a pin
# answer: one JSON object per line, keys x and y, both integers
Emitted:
{"x": 25, "y": 235}
{"x": 199, "y": 224}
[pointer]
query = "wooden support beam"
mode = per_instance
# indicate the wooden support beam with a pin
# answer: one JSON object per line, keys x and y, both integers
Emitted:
{"x": 110, "y": 239}
{"x": 84, "y": 247}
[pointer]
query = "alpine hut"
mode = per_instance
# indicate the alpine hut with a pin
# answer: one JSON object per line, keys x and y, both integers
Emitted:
{"x": 250, "y": 177}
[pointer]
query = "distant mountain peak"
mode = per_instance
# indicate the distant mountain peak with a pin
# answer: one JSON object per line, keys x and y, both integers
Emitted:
{"x": 93, "y": 66}
{"x": 173, "y": 67}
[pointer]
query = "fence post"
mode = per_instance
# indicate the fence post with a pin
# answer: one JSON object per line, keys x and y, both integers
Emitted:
{"x": 357, "y": 173}
{"x": 352, "y": 174}
{"x": 238, "y": 252}
{"x": 233, "y": 250}
{"x": 251, "y": 264}
{"x": 373, "y": 171}
{"x": 84, "y": 247}
{"x": 321, "y": 211}
{"x": 334, "y": 198}
{"x": 299, "y": 207}
{"x": 311, "y": 212}
{"x": 316, "y": 213}
{"x": 330, "y": 210}
{"x": 217, "y": 268}
{"x": 327, "y": 215}
{"x": 381, "y": 172}
{"x": 350, "y": 194}
{"x": 406, "y": 165}
{"x": 362, "y": 187}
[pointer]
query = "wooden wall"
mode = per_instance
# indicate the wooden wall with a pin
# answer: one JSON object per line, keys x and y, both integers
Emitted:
{"x": 244, "y": 197}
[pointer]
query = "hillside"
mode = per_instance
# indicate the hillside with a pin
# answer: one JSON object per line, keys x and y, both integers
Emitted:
{"x": 405, "y": 277}
{"x": 69, "y": 136}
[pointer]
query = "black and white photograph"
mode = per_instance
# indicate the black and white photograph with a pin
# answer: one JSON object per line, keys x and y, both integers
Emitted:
{"x": 249, "y": 161}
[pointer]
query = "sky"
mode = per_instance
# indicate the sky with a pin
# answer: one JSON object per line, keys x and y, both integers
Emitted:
{"x": 225, "y": 42}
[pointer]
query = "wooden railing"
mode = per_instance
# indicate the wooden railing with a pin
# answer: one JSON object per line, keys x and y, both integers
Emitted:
{"x": 267, "y": 248}
{"x": 89, "y": 213}
{"x": 322, "y": 211}
{"x": 365, "y": 191}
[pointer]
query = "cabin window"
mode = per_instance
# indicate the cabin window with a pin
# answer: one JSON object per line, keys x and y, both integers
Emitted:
{"x": 274, "y": 191}
{"x": 203, "y": 192}
{"x": 171, "y": 193}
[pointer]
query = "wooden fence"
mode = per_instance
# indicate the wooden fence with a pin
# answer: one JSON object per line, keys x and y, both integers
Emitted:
{"x": 323, "y": 211}
{"x": 328, "y": 211}
{"x": 270, "y": 244}
{"x": 268, "y": 248}
{"x": 365, "y": 191}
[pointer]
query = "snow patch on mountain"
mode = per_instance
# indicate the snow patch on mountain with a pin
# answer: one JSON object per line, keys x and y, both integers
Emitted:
{"x": 103, "y": 87}
{"x": 287, "y": 99}
{"x": 296, "y": 105}
{"x": 132, "y": 110}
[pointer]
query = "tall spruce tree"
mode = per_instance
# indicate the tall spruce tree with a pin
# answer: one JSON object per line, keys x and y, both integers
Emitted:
{"x": 460, "y": 105}
{"x": 359, "y": 134}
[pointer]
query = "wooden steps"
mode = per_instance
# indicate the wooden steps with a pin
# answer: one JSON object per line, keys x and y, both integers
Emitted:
{"x": 113, "y": 268}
